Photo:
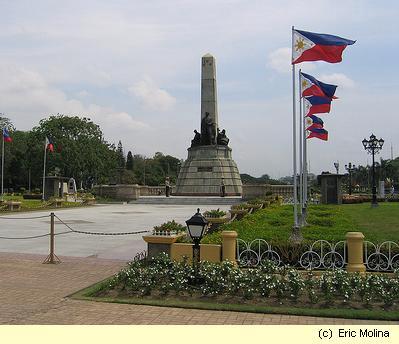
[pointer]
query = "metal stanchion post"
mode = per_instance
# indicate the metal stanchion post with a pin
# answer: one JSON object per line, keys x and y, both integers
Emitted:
{"x": 52, "y": 257}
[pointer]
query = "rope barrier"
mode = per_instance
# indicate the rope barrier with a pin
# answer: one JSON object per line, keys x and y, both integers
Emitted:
{"x": 24, "y": 238}
{"x": 52, "y": 257}
{"x": 97, "y": 233}
{"x": 23, "y": 218}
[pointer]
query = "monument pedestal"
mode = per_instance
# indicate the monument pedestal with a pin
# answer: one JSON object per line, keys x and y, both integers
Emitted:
{"x": 204, "y": 171}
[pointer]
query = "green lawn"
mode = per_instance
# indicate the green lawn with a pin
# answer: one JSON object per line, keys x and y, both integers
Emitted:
{"x": 328, "y": 222}
{"x": 37, "y": 204}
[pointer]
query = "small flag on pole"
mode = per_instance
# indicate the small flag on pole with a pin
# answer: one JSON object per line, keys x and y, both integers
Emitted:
{"x": 315, "y": 104}
{"x": 318, "y": 133}
{"x": 310, "y": 46}
{"x": 312, "y": 87}
{"x": 49, "y": 145}
{"x": 314, "y": 122}
{"x": 6, "y": 135}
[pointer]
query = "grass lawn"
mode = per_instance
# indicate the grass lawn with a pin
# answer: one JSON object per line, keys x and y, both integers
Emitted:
{"x": 328, "y": 222}
{"x": 37, "y": 204}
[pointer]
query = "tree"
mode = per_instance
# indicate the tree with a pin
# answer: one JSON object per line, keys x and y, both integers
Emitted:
{"x": 5, "y": 122}
{"x": 129, "y": 161}
{"x": 80, "y": 149}
{"x": 121, "y": 156}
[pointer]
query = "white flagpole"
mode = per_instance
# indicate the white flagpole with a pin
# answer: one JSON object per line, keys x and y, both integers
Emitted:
{"x": 2, "y": 165}
{"x": 294, "y": 138}
{"x": 305, "y": 168}
{"x": 301, "y": 184}
{"x": 44, "y": 167}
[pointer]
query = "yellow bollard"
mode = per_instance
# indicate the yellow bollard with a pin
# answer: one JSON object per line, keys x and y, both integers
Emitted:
{"x": 229, "y": 242}
{"x": 355, "y": 245}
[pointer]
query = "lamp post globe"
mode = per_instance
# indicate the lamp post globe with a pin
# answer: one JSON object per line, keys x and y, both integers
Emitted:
{"x": 196, "y": 228}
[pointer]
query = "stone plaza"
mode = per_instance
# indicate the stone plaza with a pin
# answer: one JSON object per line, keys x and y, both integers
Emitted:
{"x": 110, "y": 218}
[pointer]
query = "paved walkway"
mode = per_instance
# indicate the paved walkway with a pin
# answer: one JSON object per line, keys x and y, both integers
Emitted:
{"x": 35, "y": 293}
{"x": 109, "y": 218}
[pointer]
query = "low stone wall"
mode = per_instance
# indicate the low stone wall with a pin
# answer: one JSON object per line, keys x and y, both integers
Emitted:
{"x": 120, "y": 192}
{"x": 208, "y": 252}
{"x": 146, "y": 190}
{"x": 251, "y": 191}
{"x": 282, "y": 190}
{"x": 127, "y": 192}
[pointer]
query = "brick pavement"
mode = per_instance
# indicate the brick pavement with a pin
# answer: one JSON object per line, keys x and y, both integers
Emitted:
{"x": 35, "y": 293}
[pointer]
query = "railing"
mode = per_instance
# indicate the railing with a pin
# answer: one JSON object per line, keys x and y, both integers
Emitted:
{"x": 319, "y": 255}
{"x": 256, "y": 253}
{"x": 381, "y": 257}
{"x": 324, "y": 255}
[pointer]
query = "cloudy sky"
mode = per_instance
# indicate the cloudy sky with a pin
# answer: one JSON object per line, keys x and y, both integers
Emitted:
{"x": 134, "y": 68}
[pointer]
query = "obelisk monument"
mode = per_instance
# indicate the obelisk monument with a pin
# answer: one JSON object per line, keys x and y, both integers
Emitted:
{"x": 209, "y": 169}
{"x": 208, "y": 89}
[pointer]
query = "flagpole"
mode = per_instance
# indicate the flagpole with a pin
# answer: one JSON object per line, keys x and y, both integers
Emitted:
{"x": 2, "y": 165}
{"x": 301, "y": 199}
{"x": 305, "y": 168}
{"x": 44, "y": 168}
{"x": 294, "y": 141}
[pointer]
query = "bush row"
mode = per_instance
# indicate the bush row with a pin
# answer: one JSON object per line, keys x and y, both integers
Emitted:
{"x": 162, "y": 276}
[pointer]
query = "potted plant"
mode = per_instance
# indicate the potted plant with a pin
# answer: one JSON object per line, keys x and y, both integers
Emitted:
{"x": 214, "y": 214}
{"x": 168, "y": 229}
{"x": 239, "y": 210}
{"x": 215, "y": 217}
{"x": 163, "y": 236}
{"x": 87, "y": 198}
{"x": 256, "y": 204}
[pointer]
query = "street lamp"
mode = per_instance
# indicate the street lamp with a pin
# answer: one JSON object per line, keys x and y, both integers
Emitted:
{"x": 336, "y": 165}
{"x": 196, "y": 227}
{"x": 373, "y": 146}
{"x": 350, "y": 168}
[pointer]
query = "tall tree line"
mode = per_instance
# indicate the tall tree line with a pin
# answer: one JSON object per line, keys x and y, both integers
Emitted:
{"x": 81, "y": 152}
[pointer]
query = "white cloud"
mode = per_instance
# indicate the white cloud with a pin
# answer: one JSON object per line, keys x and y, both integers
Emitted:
{"x": 82, "y": 94}
{"x": 26, "y": 97}
{"x": 151, "y": 96}
{"x": 339, "y": 79}
{"x": 280, "y": 60}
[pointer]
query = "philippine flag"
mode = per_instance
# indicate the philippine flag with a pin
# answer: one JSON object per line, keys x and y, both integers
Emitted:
{"x": 312, "y": 87}
{"x": 318, "y": 133}
{"x": 310, "y": 46}
{"x": 316, "y": 104}
{"x": 314, "y": 122}
{"x": 49, "y": 145}
{"x": 6, "y": 135}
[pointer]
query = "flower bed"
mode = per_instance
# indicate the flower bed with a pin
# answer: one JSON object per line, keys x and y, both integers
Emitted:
{"x": 223, "y": 283}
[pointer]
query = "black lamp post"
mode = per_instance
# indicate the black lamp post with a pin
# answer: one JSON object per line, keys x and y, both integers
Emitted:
{"x": 350, "y": 168}
{"x": 196, "y": 227}
{"x": 373, "y": 146}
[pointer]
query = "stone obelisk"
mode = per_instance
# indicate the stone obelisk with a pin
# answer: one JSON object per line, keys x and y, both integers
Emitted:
{"x": 209, "y": 169}
{"x": 208, "y": 89}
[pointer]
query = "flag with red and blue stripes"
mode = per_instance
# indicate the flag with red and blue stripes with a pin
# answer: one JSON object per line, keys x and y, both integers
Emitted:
{"x": 318, "y": 133}
{"x": 310, "y": 46}
{"x": 6, "y": 135}
{"x": 310, "y": 86}
{"x": 315, "y": 104}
